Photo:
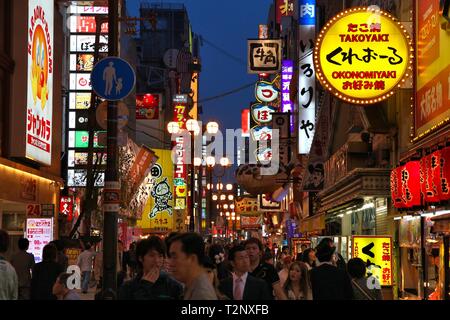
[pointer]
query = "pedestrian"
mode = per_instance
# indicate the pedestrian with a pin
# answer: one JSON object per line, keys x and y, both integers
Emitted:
{"x": 61, "y": 257}
{"x": 217, "y": 255}
{"x": 60, "y": 288}
{"x": 9, "y": 283}
{"x": 309, "y": 257}
{"x": 263, "y": 270}
{"x": 284, "y": 273}
{"x": 361, "y": 291}
{"x": 44, "y": 274}
{"x": 150, "y": 282}
{"x": 85, "y": 263}
{"x": 211, "y": 270}
{"x": 297, "y": 285}
{"x": 187, "y": 253}
{"x": 327, "y": 280}
{"x": 23, "y": 263}
{"x": 338, "y": 259}
{"x": 242, "y": 285}
{"x": 268, "y": 258}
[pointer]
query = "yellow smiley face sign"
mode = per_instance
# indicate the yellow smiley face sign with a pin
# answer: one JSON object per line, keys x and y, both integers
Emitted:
{"x": 363, "y": 55}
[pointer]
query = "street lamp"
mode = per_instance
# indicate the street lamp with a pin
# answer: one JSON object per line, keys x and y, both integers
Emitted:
{"x": 173, "y": 127}
{"x": 229, "y": 187}
{"x": 197, "y": 162}
{"x": 212, "y": 127}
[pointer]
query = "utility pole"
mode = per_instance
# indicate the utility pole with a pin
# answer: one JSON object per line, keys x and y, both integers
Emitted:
{"x": 111, "y": 177}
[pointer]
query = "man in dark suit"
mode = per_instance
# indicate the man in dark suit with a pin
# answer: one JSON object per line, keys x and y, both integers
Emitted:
{"x": 241, "y": 285}
{"x": 329, "y": 282}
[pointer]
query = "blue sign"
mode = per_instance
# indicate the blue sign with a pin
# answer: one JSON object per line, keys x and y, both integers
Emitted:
{"x": 307, "y": 12}
{"x": 113, "y": 78}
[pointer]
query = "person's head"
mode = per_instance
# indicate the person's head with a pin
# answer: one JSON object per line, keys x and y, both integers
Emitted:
{"x": 186, "y": 254}
{"x": 309, "y": 256}
{"x": 87, "y": 246}
{"x": 210, "y": 269}
{"x": 285, "y": 249}
{"x": 356, "y": 268}
{"x": 254, "y": 248}
{"x": 168, "y": 240}
{"x": 150, "y": 253}
{"x": 60, "y": 286}
{"x": 303, "y": 247}
{"x": 23, "y": 244}
{"x": 239, "y": 259}
{"x": 268, "y": 258}
{"x": 4, "y": 241}
{"x": 216, "y": 253}
{"x": 326, "y": 242}
{"x": 325, "y": 253}
{"x": 287, "y": 262}
{"x": 59, "y": 245}
{"x": 49, "y": 252}
{"x": 298, "y": 274}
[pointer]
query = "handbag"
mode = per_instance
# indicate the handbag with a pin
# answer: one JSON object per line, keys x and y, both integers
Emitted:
{"x": 367, "y": 295}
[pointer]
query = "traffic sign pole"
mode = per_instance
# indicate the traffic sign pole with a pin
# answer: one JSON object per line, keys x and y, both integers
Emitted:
{"x": 111, "y": 208}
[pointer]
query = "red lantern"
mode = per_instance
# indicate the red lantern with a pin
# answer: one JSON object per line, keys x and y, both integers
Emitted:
{"x": 428, "y": 188}
{"x": 395, "y": 188}
{"x": 410, "y": 181}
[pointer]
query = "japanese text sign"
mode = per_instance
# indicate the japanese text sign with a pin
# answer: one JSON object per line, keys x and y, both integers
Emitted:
{"x": 287, "y": 71}
{"x": 284, "y": 8}
{"x": 39, "y": 114}
{"x": 307, "y": 12}
{"x": 264, "y": 56}
{"x": 432, "y": 107}
{"x": 362, "y": 55}
{"x": 66, "y": 207}
{"x": 376, "y": 252}
{"x": 39, "y": 232}
{"x": 246, "y": 205}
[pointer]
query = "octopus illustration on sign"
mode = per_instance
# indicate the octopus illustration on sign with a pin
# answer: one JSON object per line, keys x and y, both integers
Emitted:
{"x": 161, "y": 193}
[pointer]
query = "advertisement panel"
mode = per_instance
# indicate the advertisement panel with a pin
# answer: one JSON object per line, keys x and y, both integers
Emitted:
{"x": 432, "y": 108}
{"x": 362, "y": 55}
{"x": 376, "y": 251}
{"x": 264, "y": 56}
{"x": 147, "y": 106}
{"x": 39, "y": 122}
{"x": 39, "y": 232}
{"x": 158, "y": 212}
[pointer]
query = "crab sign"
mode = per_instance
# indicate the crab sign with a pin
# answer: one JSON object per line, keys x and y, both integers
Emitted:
{"x": 161, "y": 193}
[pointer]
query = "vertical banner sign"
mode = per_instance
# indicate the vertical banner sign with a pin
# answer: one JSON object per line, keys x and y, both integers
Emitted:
{"x": 287, "y": 70}
{"x": 39, "y": 120}
{"x": 432, "y": 108}
{"x": 245, "y": 122}
{"x": 158, "y": 212}
{"x": 180, "y": 174}
{"x": 263, "y": 31}
{"x": 284, "y": 8}
{"x": 66, "y": 207}
{"x": 145, "y": 159}
{"x": 39, "y": 233}
{"x": 444, "y": 174}
{"x": 427, "y": 184}
{"x": 307, "y": 76}
{"x": 410, "y": 175}
{"x": 376, "y": 251}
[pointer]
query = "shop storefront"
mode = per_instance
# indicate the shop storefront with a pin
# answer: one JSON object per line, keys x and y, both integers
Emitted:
{"x": 26, "y": 193}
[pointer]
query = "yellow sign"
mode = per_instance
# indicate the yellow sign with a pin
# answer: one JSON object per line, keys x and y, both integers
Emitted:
{"x": 362, "y": 55}
{"x": 181, "y": 191}
{"x": 376, "y": 252}
{"x": 158, "y": 212}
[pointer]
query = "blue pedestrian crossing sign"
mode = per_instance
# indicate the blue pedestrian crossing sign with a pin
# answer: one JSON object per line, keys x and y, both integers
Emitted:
{"x": 113, "y": 78}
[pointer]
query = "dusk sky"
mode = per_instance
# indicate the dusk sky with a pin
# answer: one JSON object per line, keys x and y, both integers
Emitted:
{"x": 228, "y": 25}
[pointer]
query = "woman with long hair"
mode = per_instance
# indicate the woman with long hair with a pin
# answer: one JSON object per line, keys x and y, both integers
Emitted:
{"x": 297, "y": 285}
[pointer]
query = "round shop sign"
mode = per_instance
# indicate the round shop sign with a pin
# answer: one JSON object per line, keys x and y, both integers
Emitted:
{"x": 363, "y": 55}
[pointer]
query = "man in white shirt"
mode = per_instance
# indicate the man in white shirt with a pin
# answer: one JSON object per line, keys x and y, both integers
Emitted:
{"x": 9, "y": 285}
{"x": 242, "y": 285}
{"x": 85, "y": 264}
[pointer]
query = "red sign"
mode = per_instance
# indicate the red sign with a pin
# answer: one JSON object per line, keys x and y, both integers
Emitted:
{"x": 284, "y": 8}
{"x": 427, "y": 182}
{"x": 33, "y": 210}
{"x": 86, "y": 24}
{"x": 245, "y": 122}
{"x": 147, "y": 106}
{"x": 444, "y": 174}
{"x": 145, "y": 159}
{"x": 66, "y": 207}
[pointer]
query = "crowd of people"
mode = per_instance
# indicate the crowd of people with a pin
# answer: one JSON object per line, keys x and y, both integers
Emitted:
{"x": 183, "y": 267}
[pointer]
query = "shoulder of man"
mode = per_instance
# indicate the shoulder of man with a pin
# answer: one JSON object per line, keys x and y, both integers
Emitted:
{"x": 255, "y": 281}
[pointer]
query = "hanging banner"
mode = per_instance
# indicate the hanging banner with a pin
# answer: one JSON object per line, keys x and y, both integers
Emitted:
{"x": 251, "y": 222}
{"x": 39, "y": 121}
{"x": 287, "y": 71}
{"x": 66, "y": 207}
{"x": 245, "y": 122}
{"x": 362, "y": 55}
{"x": 376, "y": 251}
{"x": 444, "y": 174}
{"x": 145, "y": 159}
{"x": 264, "y": 56}
{"x": 263, "y": 31}
{"x": 158, "y": 212}
{"x": 306, "y": 76}
{"x": 427, "y": 182}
